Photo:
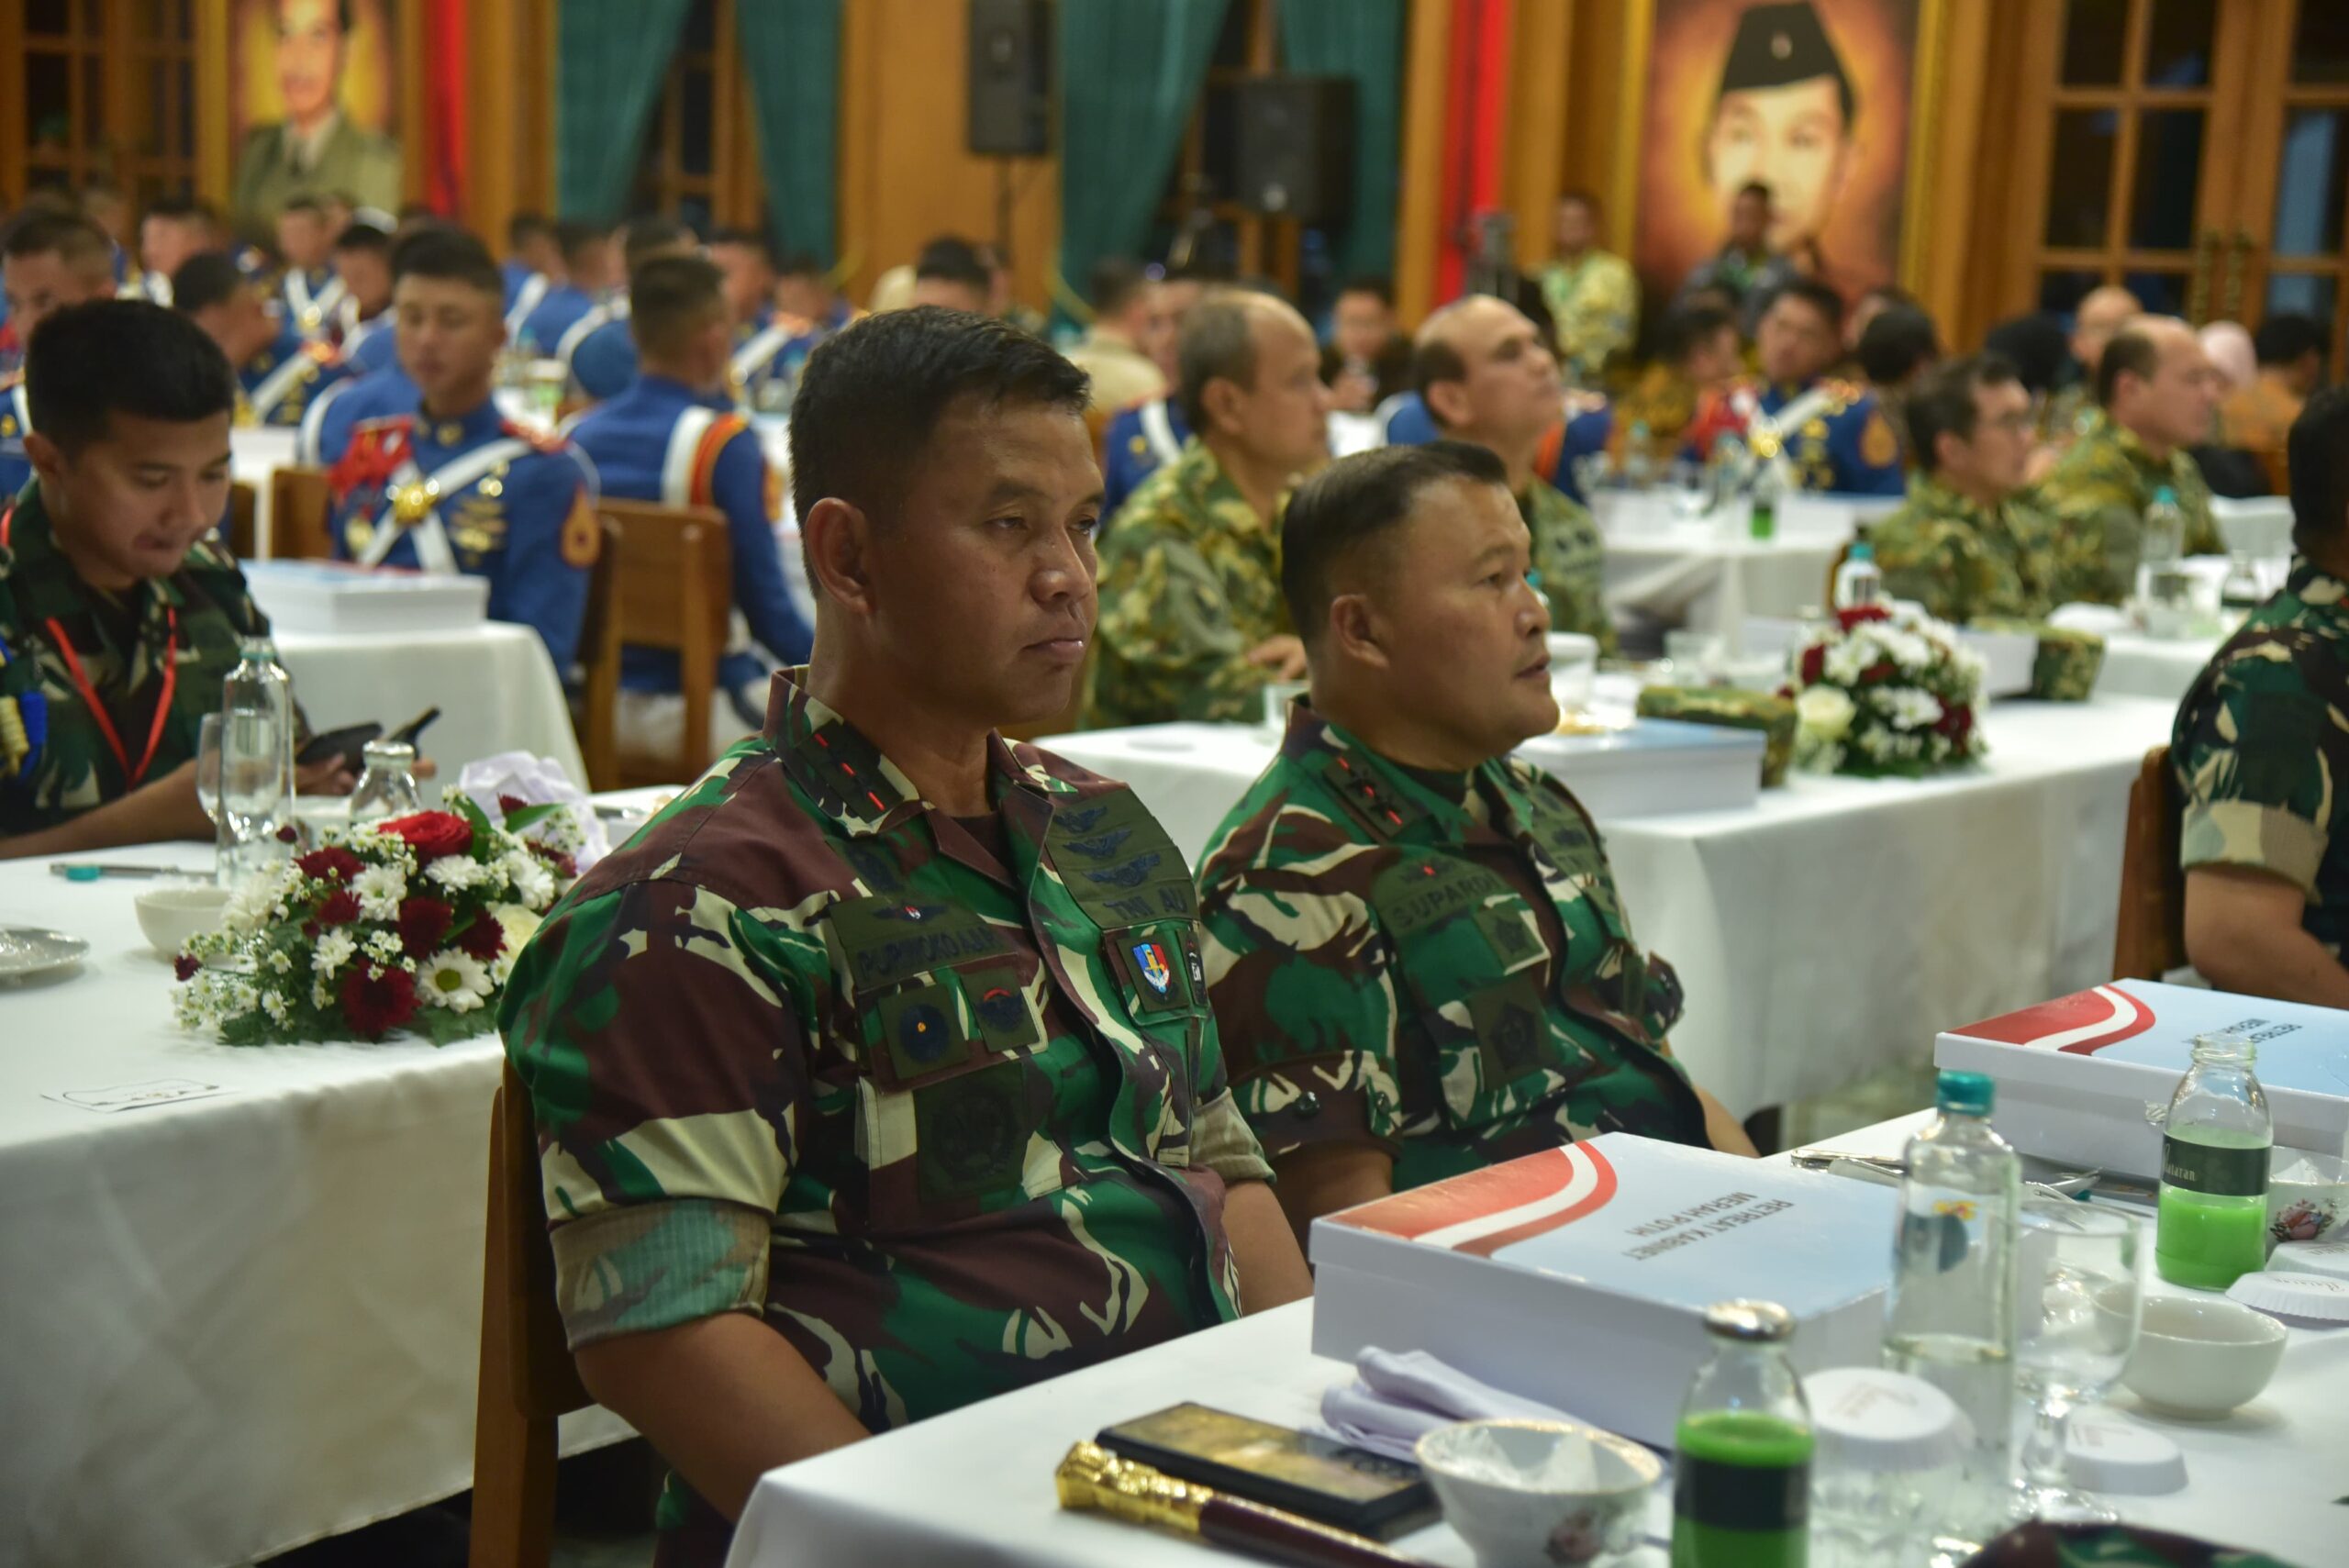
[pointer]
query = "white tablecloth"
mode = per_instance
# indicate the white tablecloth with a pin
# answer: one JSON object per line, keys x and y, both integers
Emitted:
{"x": 494, "y": 683}
{"x": 2140, "y": 666}
{"x": 1837, "y": 925}
{"x": 974, "y": 1487}
{"x": 228, "y": 1325}
{"x": 1709, "y": 575}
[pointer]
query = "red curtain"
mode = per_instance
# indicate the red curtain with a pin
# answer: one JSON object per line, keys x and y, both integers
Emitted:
{"x": 1475, "y": 102}
{"x": 444, "y": 63}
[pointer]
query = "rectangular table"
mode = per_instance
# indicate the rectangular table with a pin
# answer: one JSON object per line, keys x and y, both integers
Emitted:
{"x": 236, "y": 1324}
{"x": 1830, "y": 929}
{"x": 973, "y": 1488}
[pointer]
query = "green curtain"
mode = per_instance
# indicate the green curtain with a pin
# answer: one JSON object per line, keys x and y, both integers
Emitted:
{"x": 1129, "y": 74}
{"x": 1361, "y": 39}
{"x": 791, "y": 52}
{"x": 610, "y": 58}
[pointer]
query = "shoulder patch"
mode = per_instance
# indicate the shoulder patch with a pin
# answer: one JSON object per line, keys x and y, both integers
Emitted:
{"x": 1879, "y": 448}
{"x": 582, "y": 533}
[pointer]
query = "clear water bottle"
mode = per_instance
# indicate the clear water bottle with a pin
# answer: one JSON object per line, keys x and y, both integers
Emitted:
{"x": 1740, "y": 1489}
{"x": 2212, "y": 1224}
{"x": 1857, "y": 580}
{"x": 256, "y": 762}
{"x": 1638, "y": 463}
{"x": 1950, "y": 1320}
{"x": 387, "y": 786}
{"x": 2165, "y": 529}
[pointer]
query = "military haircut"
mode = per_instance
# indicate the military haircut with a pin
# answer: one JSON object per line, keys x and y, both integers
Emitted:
{"x": 1376, "y": 284}
{"x": 1819, "y": 296}
{"x": 1116, "y": 281}
{"x": 1898, "y": 340}
{"x": 525, "y": 227}
{"x": 1688, "y": 328}
{"x": 1219, "y": 343}
{"x": 802, "y": 264}
{"x": 2317, "y": 452}
{"x": 749, "y": 240}
{"x": 307, "y": 204}
{"x": 645, "y": 237}
{"x": 1942, "y": 400}
{"x": 363, "y": 237}
{"x": 669, "y": 299}
{"x": 450, "y": 253}
{"x": 2133, "y": 350}
{"x": 179, "y": 207}
{"x": 2035, "y": 345}
{"x": 74, "y": 240}
{"x": 1355, "y": 505}
{"x": 204, "y": 279}
{"x": 2287, "y": 337}
{"x": 873, "y": 393}
{"x": 87, "y": 362}
{"x": 575, "y": 239}
{"x": 951, "y": 259}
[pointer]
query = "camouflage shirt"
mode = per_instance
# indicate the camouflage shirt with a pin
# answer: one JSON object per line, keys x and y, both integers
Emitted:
{"x": 2098, "y": 495}
{"x": 2261, "y": 746}
{"x": 1436, "y": 967}
{"x": 1571, "y": 558}
{"x": 1596, "y": 305}
{"x": 1190, "y": 581}
{"x": 1960, "y": 559}
{"x": 119, "y": 642}
{"x": 940, "y": 1101}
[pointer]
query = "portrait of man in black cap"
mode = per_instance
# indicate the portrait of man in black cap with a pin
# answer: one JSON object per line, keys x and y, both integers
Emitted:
{"x": 1783, "y": 116}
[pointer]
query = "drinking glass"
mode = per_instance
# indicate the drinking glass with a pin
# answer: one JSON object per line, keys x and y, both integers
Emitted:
{"x": 1690, "y": 495}
{"x": 208, "y": 767}
{"x": 2080, "y": 1282}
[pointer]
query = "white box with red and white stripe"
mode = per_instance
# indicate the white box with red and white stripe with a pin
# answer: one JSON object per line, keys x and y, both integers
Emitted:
{"x": 1579, "y": 1276}
{"x": 2083, "y": 1078}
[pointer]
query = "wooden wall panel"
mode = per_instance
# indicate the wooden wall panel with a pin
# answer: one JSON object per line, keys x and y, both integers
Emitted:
{"x": 1533, "y": 172}
{"x": 1418, "y": 213}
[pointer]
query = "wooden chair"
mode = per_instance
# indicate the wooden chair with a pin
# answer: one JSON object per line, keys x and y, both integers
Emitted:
{"x": 593, "y": 706}
{"x": 528, "y": 1378}
{"x": 2150, "y": 940}
{"x": 1827, "y": 595}
{"x": 2273, "y": 463}
{"x": 300, "y": 504}
{"x": 243, "y": 500}
{"x": 673, "y": 590}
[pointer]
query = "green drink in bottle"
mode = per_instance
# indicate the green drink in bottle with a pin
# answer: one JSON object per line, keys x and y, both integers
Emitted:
{"x": 2212, "y": 1224}
{"x": 1740, "y": 1495}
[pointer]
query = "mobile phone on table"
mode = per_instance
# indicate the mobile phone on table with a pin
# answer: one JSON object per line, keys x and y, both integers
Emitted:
{"x": 1350, "y": 1488}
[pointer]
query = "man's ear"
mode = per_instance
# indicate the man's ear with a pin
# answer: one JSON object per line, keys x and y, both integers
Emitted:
{"x": 837, "y": 538}
{"x": 1448, "y": 401}
{"x": 1221, "y": 400}
{"x": 1354, "y": 632}
{"x": 46, "y": 456}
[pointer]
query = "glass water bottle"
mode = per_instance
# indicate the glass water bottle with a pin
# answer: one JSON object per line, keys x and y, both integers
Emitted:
{"x": 1741, "y": 1494}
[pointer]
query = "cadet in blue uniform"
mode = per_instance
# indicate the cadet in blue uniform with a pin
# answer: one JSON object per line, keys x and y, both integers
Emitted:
{"x": 807, "y": 310}
{"x": 534, "y": 261}
{"x": 591, "y": 270}
{"x": 363, "y": 259}
{"x": 278, "y": 373}
{"x": 597, "y": 352}
{"x": 673, "y": 436}
{"x": 309, "y": 291}
{"x": 451, "y": 485}
{"x": 1140, "y": 441}
{"x": 50, "y": 260}
{"x": 1831, "y": 435}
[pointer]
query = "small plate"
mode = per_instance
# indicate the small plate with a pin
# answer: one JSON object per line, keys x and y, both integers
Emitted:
{"x": 28, "y": 950}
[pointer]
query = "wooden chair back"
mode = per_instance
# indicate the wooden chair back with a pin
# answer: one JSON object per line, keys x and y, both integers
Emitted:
{"x": 1827, "y": 594}
{"x": 2150, "y": 938}
{"x": 300, "y": 504}
{"x": 528, "y": 1378}
{"x": 243, "y": 501}
{"x": 594, "y": 709}
{"x": 675, "y": 591}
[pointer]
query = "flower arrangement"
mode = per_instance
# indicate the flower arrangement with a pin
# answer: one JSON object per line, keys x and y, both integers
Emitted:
{"x": 409, "y": 924}
{"x": 1876, "y": 694}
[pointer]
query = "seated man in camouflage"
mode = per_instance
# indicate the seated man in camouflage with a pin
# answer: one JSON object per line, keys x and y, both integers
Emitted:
{"x": 1488, "y": 377}
{"x": 2261, "y": 747}
{"x": 1191, "y": 619}
{"x": 1414, "y": 943}
{"x": 1967, "y": 542}
{"x": 2157, "y": 393}
{"x": 876, "y": 1075}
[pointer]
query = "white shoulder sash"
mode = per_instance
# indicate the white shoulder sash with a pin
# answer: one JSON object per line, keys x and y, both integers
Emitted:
{"x": 432, "y": 551}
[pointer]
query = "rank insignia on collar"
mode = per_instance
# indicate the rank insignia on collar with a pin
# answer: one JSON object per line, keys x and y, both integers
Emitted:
{"x": 1149, "y": 962}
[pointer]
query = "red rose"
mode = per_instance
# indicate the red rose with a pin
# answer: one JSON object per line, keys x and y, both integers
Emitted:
{"x": 1882, "y": 670}
{"x": 333, "y": 862}
{"x": 1814, "y": 665}
{"x": 289, "y": 834}
{"x": 507, "y": 805}
{"x": 1849, "y": 618}
{"x": 375, "y": 1004}
{"x": 484, "y": 940}
{"x": 185, "y": 965}
{"x": 422, "y": 923}
{"x": 432, "y": 834}
{"x": 338, "y": 908}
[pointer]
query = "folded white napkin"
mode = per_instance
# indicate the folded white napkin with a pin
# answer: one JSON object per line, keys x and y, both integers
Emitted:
{"x": 1398, "y": 1397}
{"x": 535, "y": 781}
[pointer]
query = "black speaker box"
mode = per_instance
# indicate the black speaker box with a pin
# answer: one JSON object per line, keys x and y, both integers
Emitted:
{"x": 1296, "y": 154}
{"x": 1011, "y": 73}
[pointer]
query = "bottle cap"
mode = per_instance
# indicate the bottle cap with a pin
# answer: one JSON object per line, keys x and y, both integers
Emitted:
{"x": 1861, "y": 550}
{"x": 2164, "y": 496}
{"x": 2314, "y": 1298}
{"x": 2108, "y": 1453}
{"x": 1871, "y": 1418}
{"x": 398, "y": 752}
{"x": 1968, "y": 1094}
{"x": 2329, "y": 1258}
{"x": 1759, "y": 1322}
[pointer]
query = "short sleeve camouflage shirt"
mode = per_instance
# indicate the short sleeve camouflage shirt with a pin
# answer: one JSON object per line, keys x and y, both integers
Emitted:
{"x": 1450, "y": 979}
{"x": 2261, "y": 746}
{"x": 1960, "y": 559}
{"x": 2098, "y": 495}
{"x": 1570, "y": 554}
{"x": 1190, "y": 581}
{"x": 807, "y": 1049}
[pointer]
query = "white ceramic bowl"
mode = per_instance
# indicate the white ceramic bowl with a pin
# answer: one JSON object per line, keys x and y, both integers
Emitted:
{"x": 174, "y": 911}
{"x": 1520, "y": 1523}
{"x": 2308, "y": 1195}
{"x": 2201, "y": 1356}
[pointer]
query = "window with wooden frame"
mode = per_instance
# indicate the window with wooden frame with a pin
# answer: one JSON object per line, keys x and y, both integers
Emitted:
{"x": 152, "y": 101}
{"x": 61, "y": 110}
{"x": 106, "y": 89}
{"x": 700, "y": 163}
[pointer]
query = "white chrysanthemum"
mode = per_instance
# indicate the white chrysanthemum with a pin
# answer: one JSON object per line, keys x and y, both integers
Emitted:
{"x": 1909, "y": 708}
{"x": 275, "y": 1004}
{"x": 281, "y": 962}
{"x": 460, "y": 873}
{"x": 1825, "y": 712}
{"x": 1848, "y": 660}
{"x": 383, "y": 947}
{"x": 251, "y": 901}
{"x": 452, "y": 980}
{"x": 333, "y": 950}
{"x": 380, "y": 890}
{"x": 533, "y": 883}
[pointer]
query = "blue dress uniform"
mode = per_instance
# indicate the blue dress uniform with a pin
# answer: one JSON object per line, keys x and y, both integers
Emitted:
{"x": 1588, "y": 424}
{"x": 326, "y": 429}
{"x": 660, "y": 440}
{"x": 1141, "y": 440}
{"x": 556, "y": 315}
{"x": 311, "y": 299}
{"x": 600, "y": 355}
{"x": 477, "y": 495}
{"x": 369, "y": 345}
{"x": 16, "y": 419}
{"x": 279, "y": 384}
{"x": 1835, "y": 436}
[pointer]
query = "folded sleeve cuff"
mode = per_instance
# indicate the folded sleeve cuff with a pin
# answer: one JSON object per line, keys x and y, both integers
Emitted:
{"x": 1222, "y": 1141}
{"x": 1306, "y": 1102}
{"x": 655, "y": 1266}
{"x": 2246, "y": 833}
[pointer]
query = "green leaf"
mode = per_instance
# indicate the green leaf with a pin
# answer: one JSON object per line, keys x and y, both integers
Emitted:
{"x": 531, "y": 816}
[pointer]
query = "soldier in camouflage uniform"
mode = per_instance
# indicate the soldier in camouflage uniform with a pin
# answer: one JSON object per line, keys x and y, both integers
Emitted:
{"x": 1191, "y": 619}
{"x": 1414, "y": 943}
{"x": 1594, "y": 300}
{"x": 2260, "y": 749}
{"x": 2101, "y": 313}
{"x": 1489, "y": 378}
{"x": 119, "y": 617}
{"x": 2159, "y": 394}
{"x": 875, "y": 1075}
